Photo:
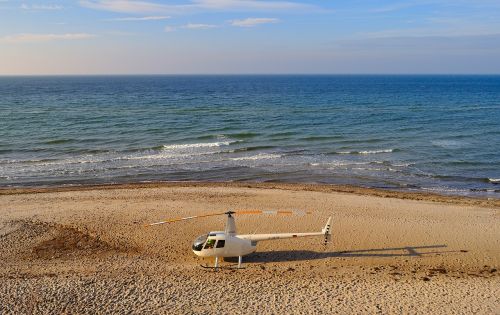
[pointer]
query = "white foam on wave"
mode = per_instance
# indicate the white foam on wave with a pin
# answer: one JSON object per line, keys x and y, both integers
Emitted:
{"x": 366, "y": 151}
{"x": 402, "y": 164}
{"x": 445, "y": 189}
{"x": 176, "y": 151}
{"x": 167, "y": 152}
{"x": 261, "y": 156}
{"x": 375, "y": 169}
{"x": 494, "y": 180}
{"x": 155, "y": 156}
{"x": 347, "y": 163}
{"x": 197, "y": 145}
{"x": 337, "y": 164}
{"x": 376, "y": 151}
{"x": 83, "y": 159}
{"x": 448, "y": 144}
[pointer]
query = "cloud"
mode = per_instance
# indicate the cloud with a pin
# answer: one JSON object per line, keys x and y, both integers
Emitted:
{"x": 248, "y": 4}
{"x": 134, "y": 6}
{"x": 120, "y": 33}
{"x": 36, "y": 38}
{"x": 123, "y": 6}
{"x": 25, "y": 6}
{"x": 192, "y": 26}
{"x": 142, "y": 18}
{"x": 251, "y": 22}
{"x": 394, "y": 7}
{"x": 421, "y": 45}
{"x": 450, "y": 31}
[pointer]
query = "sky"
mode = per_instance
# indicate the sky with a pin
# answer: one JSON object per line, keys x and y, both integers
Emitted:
{"x": 249, "y": 37}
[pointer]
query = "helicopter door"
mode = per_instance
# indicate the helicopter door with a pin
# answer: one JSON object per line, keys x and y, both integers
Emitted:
{"x": 209, "y": 244}
{"x": 220, "y": 244}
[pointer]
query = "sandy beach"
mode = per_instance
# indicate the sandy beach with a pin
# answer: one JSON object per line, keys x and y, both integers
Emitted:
{"x": 86, "y": 251}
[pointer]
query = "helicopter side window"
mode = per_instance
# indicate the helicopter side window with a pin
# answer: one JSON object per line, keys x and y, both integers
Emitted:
{"x": 220, "y": 243}
{"x": 209, "y": 244}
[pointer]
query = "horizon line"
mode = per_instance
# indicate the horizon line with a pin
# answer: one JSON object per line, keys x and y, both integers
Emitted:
{"x": 244, "y": 74}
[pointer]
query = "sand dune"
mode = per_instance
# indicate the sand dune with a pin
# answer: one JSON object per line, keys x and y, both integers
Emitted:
{"x": 86, "y": 251}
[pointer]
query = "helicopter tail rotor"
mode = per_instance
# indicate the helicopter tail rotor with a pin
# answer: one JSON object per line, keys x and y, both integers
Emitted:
{"x": 327, "y": 231}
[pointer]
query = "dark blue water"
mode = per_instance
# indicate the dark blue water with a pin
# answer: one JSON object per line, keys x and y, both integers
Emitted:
{"x": 424, "y": 133}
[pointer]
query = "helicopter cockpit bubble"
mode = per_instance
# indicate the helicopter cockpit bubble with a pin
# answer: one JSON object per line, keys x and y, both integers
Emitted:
{"x": 199, "y": 241}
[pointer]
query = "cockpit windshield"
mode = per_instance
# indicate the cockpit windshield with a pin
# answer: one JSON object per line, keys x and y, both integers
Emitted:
{"x": 199, "y": 241}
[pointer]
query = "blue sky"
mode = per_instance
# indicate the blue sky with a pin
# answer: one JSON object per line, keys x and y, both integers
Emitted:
{"x": 249, "y": 36}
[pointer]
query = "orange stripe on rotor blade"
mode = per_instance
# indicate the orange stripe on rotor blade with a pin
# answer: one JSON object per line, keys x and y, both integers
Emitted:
{"x": 249, "y": 212}
{"x": 186, "y": 218}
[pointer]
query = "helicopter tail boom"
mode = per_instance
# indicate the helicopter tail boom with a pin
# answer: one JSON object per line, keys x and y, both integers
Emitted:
{"x": 326, "y": 232}
{"x": 269, "y": 237}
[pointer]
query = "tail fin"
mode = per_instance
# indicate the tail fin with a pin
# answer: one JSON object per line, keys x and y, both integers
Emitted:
{"x": 327, "y": 230}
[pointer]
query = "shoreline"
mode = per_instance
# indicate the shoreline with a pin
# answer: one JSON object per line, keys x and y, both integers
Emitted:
{"x": 348, "y": 189}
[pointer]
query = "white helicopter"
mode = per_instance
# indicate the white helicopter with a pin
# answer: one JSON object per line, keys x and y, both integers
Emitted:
{"x": 228, "y": 244}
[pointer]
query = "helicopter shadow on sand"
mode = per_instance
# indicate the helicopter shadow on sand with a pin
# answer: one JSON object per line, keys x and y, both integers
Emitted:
{"x": 297, "y": 255}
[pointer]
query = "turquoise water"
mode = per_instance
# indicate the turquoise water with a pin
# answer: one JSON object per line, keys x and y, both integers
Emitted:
{"x": 417, "y": 133}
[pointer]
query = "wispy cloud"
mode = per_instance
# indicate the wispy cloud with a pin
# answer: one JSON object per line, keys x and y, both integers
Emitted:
{"x": 25, "y": 6}
{"x": 421, "y": 45}
{"x": 120, "y": 33}
{"x": 429, "y": 31}
{"x": 123, "y": 6}
{"x": 134, "y": 6}
{"x": 193, "y": 26}
{"x": 251, "y": 22}
{"x": 248, "y": 4}
{"x": 36, "y": 38}
{"x": 391, "y": 8}
{"x": 189, "y": 26}
{"x": 169, "y": 29}
{"x": 142, "y": 18}
{"x": 447, "y": 5}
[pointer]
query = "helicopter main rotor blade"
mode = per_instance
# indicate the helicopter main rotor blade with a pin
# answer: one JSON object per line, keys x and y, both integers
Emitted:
{"x": 186, "y": 218}
{"x": 271, "y": 212}
{"x": 274, "y": 212}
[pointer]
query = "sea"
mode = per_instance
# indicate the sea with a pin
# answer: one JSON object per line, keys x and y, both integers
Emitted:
{"x": 425, "y": 133}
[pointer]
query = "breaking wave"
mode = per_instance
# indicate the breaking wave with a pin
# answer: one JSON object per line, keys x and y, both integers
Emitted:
{"x": 197, "y": 145}
{"x": 377, "y": 151}
{"x": 366, "y": 151}
{"x": 261, "y": 156}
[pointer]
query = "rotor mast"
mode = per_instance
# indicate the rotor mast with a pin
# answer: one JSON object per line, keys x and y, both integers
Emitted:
{"x": 230, "y": 228}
